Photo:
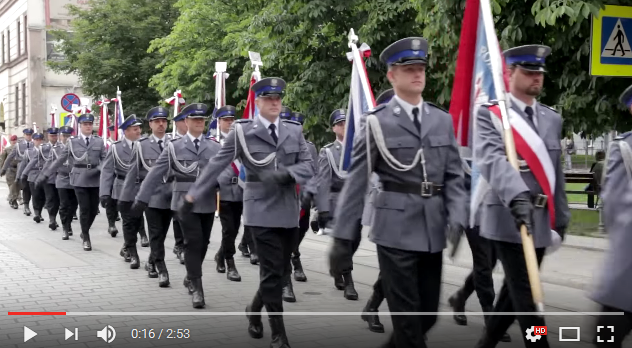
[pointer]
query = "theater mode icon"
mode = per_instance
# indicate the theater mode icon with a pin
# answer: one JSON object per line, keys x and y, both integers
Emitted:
{"x": 577, "y": 330}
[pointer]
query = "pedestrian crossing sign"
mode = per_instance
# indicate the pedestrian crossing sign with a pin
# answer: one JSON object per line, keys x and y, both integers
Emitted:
{"x": 611, "y": 52}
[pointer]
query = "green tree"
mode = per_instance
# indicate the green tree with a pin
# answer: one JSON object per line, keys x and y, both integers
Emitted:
{"x": 108, "y": 48}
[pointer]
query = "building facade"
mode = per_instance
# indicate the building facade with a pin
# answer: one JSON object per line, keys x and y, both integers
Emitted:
{"x": 28, "y": 88}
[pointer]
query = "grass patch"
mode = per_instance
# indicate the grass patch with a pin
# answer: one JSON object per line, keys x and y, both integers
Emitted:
{"x": 576, "y": 198}
{"x": 584, "y": 222}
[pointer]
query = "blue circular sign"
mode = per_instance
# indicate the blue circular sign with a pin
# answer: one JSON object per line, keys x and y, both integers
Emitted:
{"x": 68, "y": 100}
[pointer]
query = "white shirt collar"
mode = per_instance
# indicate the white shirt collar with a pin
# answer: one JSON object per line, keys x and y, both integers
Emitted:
{"x": 193, "y": 138}
{"x": 178, "y": 135}
{"x": 408, "y": 107}
{"x": 84, "y": 137}
{"x": 522, "y": 105}
{"x": 267, "y": 123}
{"x": 156, "y": 138}
{"x": 224, "y": 135}
{"x": 129, "y": 142}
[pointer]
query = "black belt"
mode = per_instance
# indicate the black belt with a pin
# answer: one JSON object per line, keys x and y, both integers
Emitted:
{"x": 120, "y": 177}
{"x": 166, "y": 182}
{"x": 539, "y": 201}
{"x": 89, "y": 166}
{"x": 335, "y": 189}
{"x": 424, "y": 189}
{"x": 186, "y": 179}
{"x": 252, "y": 178}
{"x": 234, "y": 180}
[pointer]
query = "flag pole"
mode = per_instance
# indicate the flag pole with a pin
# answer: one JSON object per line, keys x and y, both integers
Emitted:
{"x": 220, "y": 101}
{"x": 510, "y": 149}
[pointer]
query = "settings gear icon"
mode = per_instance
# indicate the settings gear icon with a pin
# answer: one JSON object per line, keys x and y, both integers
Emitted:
{"x": 530, "y": 336}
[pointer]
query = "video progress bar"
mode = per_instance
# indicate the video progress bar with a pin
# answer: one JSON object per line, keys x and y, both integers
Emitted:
{"x": 311, "y": 314}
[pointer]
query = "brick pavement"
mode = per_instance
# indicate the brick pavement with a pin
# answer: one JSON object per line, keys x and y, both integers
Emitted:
{"x": 40, "y": 272}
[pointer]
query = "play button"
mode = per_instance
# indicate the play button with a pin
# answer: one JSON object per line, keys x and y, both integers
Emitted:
{"x": 28, "y": 334}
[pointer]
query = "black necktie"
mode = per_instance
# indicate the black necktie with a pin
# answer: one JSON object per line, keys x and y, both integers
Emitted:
{"x": 416, "y": 119}
{"x": 160, "y": 145}
{"x": 197, "y": 144}
{"x": 87, "y": 141}
{"x": 28, "y": 145}
{"x": 529, "y": 111}
{"x": 273, "y": 134}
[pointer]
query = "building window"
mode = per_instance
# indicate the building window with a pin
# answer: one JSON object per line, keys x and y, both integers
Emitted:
{"x": 8, "y": 45}
{"x": 23, "y": 102}
{"x": 19, "y": 36}
{"x": 2, "y": 49}
{"x": 26, "y": 34}
{"x": 17, "y": 97}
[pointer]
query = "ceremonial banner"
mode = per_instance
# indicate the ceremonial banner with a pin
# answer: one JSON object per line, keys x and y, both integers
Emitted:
{"x": 251, "y": 111}
{"x": 119, "y": 117}
{"x": 220, "y": 77}
{"x": 176, "y": 101}
{"x": 361, "y": 98}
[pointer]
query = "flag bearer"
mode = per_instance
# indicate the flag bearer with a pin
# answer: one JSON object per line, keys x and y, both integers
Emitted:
{"x": 184, "y": 158}
{"x": 17, "y": 154}
{"x": 115, "y": 169}
{"x": 230, "y": 202}
{"x": 412, "y": 148}
{"x": 276, "y": 158}
{"x": 85, "y": 153}
{"x": 518, "y": 198}
{"x": 613, "y": 290}
{"x": 158, "y": 213}
{"x": 29, "y": 170}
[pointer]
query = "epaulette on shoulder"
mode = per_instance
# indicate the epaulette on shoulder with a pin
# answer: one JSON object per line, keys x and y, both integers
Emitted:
{"x": 96, "y": 136}
{"x": 176, "y": 139}
{"x": 309, "y": 142}
{"x": 116, "y": 142}
{"x": 623, "y": 136}
{"x": 376, "y": 109}
{"x": 550, "y": 108}
{"x": 73, "y": 137}
{"x": 243, "y": 120}
{"x": 437, "y": 107}
{"x": 490, "y": 103}
{"x": 292, "y": 122}
{"x": 143, "y": 139}
{"x": 328, "y": 145}
{"x": 212, "y": 138}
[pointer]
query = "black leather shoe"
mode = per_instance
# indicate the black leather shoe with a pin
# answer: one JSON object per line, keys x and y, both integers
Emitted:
{"x": 198, "y": 293}
{"x": 118, "y": 218}
{"x": 288, "y": 291}
{"x": 53, "y": 225}
{"x": 244, "y": 250}
{"x": 27, "y": 211}
{"x": 70, "y": 230}
{"x": 255, "y": 326}
{"x": 279, "y": 338}
{"x": 112, "y": 230}
{"x": 254, "y": 259}
{"x": 74, "y": 217}
{"x": 459, "y": 310}
{"x": 339, "y": 283}
{"x": 187, "y": 284}
{"x": 134, "y": 259}
{"x": 371, "y": 316}
{"x": 37, "y": 218}
{"x": 65, "y": 235}
{"x": 163, "y": 275}
{"x": 350, "y": 291}
{"x": 221, "y": 264}
{"x": 181, "y": 256}
{"x": 125, "y": 254}
{"x": 232, "y": 273}
{"x": 299, "y": 275}
{"x": 150, "y": 267}
{"x": 144, "y": 242}
{"x": 87, "y": 246}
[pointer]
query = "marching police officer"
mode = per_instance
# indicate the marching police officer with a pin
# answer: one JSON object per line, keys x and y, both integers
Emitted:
{"x": 111, "y": 212}
{"x": 517, "y": 198}
{"x": 412, "y": 147}
{"x": 114, "y": 170}
{"x": 184, "y": 158}
{"x": 29, "y": 170}
{"x": 613, "y": 290}
{"x": 306, "y": 206}
{"x": 230, "y": 202}
{"x": 158, "y": 213}
{"x": 11, "y": 171}
{"x": 52, "y": 196}
{"x": 18, "y": 155}
{"x": 276, "y": 158}
{"x": 330, "y": 183}
{"x": 85, "y": 153}
{"x": 65, "y": 191}
{"x": 181, "y": 128}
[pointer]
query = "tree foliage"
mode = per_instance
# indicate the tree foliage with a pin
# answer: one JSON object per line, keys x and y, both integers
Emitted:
{"x": 108, "y": 48}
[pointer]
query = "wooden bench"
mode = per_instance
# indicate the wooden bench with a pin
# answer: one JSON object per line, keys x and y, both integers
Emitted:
{"x": 579, "y": 178}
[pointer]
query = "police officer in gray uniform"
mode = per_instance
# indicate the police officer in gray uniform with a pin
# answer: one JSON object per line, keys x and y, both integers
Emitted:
{"x": 276, "y": 158}
{"x": 158, "y": 213}
{"x": 29, "y": 169}
{"x": 85, "y": 153}
{"x": 613, "y": 292}
{"x": 178, "y": 249}
{"x": 111, "y": 212}
{"x": 185, "y": 157}
{"x": 412, "y": 147}
{"x": 114, "y": 170}
{"x": 230, "y": 202}
{"x": 66, "y": 193}
{"x": 18, "y": 154}
{"x": 52, "y": 196}
{"x": 516, "y": 198}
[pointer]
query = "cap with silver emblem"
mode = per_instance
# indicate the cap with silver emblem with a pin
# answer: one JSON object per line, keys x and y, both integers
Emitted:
{"x": 195, "y": 110}
{"x": 157, "y": 113}
{"x": 411, "y": 50}
{"x": 131, "y": 121}
{"x": 270, "y": 86}
{"x": 337, "y": 116}
{"x": 528, "y": 57}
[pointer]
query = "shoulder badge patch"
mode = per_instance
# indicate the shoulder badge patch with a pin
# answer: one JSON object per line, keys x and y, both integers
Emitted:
{"x": 292, "y": 122}
{"x": 243, "y": 120}
{"x": 437, "y": 107}
{"x": 142, "y": 139}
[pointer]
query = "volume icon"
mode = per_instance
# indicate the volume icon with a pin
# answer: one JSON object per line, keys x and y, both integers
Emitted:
{"x": 108, "y": 334}
{"x": 68, "y": 334}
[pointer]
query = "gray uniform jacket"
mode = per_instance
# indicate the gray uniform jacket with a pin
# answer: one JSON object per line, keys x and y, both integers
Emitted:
{"x": 147, "y": 151}
{"x": 312, "y": 184}
{"x": 405, "y": 221}
{"x": 62, "y": 179}
{"x": 369, "y": 210}
{"x": 496, "y": 221}
{"x": 614, "y": 288}
{"x": 328, "y": 183}
{"x": 85, "y": 162}
{"x": 17, "y": 153}
{"x": 49, "y": 156}
{"x": 32, "y": 164}
{"x": 180, "y": 154}
{"x": 115, "y": 169}
{"x": 229, "y": 189}
{"x": 265, "y": 205}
